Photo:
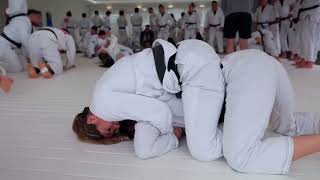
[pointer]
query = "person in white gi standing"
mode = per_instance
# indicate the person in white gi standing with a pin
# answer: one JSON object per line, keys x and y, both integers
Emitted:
{"x": 45, "y": 48}
{"x": 142, "y": 87}
{"x": 136, "y": 21}
{"x": 191, "y": 24}
{"x": 309, "y": 17}
{"x": 96, "y": 19}
{"x": 214, "y": 26}
{"x": 84, "y": 25}
{"x": 283, "y": 8}
{"x": 107, "y": 21}
{"x": 153, "y": 20}
{"x": 15, "y": 36}
{"x": 180, "y": 36}
{"x": 259, "y": 92}
{"x": 71, "y": 25}
{"x": 122, "y": 28}
{"x": 164, "y": 23}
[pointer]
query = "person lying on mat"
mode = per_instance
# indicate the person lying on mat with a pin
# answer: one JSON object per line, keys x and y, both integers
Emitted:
{"x": 153, "y": 87}
{"x": 5, "y": 81}
{"x": 47, "y": 46}
{"x": 108, "y": 43}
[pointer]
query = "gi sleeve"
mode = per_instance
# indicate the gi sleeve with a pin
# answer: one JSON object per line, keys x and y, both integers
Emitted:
{"x": 71, "y": 51}
{"x": 154, "y": 132}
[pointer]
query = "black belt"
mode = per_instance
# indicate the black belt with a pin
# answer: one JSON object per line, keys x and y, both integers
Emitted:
{"x": 122, "y": 28}
{"x": 163, "y": 26}
{"x": 18, "y": 45}
{"x": 50, "y": 30}
{"x": 223, "y": 109}
{"x": 214, "y": 25}
{"x": 262, "y": 40}
{"x": 301, "y": 10}
{"x": 158, "y": 54}
{"x": 138, "y": 25}
{"x": 190, "y": 24}
{"x": 285, "y": 18}
{"x": 12, "y": 17}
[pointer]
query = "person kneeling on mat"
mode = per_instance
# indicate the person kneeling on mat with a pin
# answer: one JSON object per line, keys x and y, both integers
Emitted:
{"x": 46, "y": 47}
{"x": 5, "y": 81}
{"x": 164, "y": 89}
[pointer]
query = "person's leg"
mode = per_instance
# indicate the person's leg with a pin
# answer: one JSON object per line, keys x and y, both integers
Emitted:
{"x": 219, "y": 36}
{"x": 229, "y": 32}
{"x": 202, "y": 98}
{"x": 243, "y": 44}
{"x": 251, "y": 79}
{"x": 307, "y": 38}
{"x": 211, "y": 37}
{"x": 51, "y": 63}
{"x": 9, "y": 60}
{"x": 244, "y": 27}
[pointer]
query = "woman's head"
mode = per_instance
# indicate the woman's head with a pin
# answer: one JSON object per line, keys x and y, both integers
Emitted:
{"x": 106, "y": 59}
{"x": 91, "y": 128}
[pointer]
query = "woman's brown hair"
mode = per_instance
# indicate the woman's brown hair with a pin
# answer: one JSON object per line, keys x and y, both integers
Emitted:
{"x": 89, "y": 133}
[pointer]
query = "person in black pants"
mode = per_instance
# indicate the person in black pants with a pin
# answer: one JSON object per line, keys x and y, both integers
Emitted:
{"x": 147, "y": 37}
{"x": 238, "y": 19}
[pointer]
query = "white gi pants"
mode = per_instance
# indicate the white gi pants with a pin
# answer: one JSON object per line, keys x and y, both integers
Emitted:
{"x": 309, "y": 38}
{"x": 202, "y": 98}
{"x": 123, "y": 37}
{"x": 276, "y": 37}
{"x": 163, "y": 33}
{"x": 42, "y": 49}
{"x": 284, "y": 35}
{"x": 190, "y": 32}
{"x": 136, "y": 33}
{"x": 9, "y": 59}
{"x": 258, "y": 92}
{"x": 216, "y": 36}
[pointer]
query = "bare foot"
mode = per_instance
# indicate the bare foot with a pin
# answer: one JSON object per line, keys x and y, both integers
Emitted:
{"x": 299, "y": 62}
{"x": 32, "y": 72}
{"x": 6, "y": 83}
{"x": 44, "y": 70}
{"x": 306, "y": 65}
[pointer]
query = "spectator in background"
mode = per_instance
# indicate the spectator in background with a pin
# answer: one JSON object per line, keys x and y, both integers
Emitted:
{"x": 122, "y": 28}
{"x": 173, "y": 28}
{"x": 153, "y": 21}
{"x": 147, "y": 37}
{"x": 97, "y": 20}
{"x": 180, "y": 35}
{"x": 238, "y": 19}
{"x": 107, "y": 21}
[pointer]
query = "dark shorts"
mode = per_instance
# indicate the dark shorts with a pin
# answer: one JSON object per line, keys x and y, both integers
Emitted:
{"x": 238, "y": 22}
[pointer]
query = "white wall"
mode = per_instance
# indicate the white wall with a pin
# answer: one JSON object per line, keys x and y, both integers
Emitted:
{"x": 58, "y": 8}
